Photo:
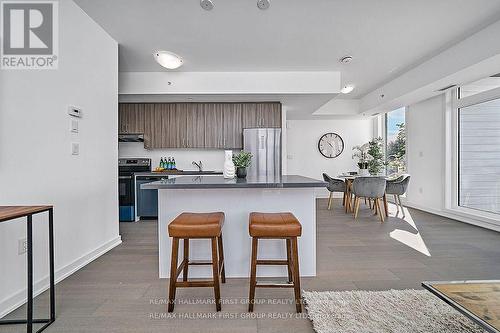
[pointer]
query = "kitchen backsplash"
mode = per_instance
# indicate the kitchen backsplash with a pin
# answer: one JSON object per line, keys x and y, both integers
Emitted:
{"x": 213, "y": 159}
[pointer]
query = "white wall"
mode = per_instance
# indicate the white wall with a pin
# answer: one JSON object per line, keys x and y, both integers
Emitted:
{"x": 36, "y": 165}
{"x": 213, "y": 159}
{"x": 425, "y": 124}
{"x": 303, "y": 157}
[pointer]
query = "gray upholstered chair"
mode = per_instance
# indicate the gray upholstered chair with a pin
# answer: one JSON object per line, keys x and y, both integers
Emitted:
{"x": 371, "y": 188}
{"x": 334, "y": 185}
{"x": 398, "y": 187}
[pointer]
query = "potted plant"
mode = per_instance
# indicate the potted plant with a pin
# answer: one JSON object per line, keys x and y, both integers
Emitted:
{"x": 376, "y": 163}
{"x": 242, "y": 161}
{"x": 361, "y": 153}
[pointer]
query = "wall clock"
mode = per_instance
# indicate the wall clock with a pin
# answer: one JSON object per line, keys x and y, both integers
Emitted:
{"x": 331, "y": 145}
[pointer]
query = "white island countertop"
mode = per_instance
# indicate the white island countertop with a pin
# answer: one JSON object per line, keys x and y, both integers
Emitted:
{"x": 237, "y": 198}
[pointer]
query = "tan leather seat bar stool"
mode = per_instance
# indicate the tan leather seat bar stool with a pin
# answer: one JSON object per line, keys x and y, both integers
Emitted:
{"x": 200, "y": 226}
{"x": 275, "y": 226}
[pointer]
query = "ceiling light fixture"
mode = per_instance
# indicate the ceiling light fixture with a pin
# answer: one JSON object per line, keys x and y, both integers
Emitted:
{"x": 263, "y": 4}
{"x": 346, "y": 60}
{"x": 347, "y": 89}
{"x": 168, "y": 59}
{"x": 207, "y": 4}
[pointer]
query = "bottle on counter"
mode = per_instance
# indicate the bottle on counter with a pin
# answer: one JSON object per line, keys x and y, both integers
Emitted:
{"x": 174, "y": 167}
{"x": 162, "y": 164}
{"x": 169, "y": 164}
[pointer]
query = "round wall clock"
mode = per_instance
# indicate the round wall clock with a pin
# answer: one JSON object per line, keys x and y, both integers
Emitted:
{"x": 331, "y": 145}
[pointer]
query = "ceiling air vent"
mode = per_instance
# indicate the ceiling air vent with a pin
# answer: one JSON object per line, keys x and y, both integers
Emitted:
{"x": 447, "y": 87}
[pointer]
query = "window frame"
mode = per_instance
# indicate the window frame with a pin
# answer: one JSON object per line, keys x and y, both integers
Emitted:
{"x": 452, "y": 172}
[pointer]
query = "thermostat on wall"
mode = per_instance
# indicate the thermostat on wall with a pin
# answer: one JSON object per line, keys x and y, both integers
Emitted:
{"x": 74, "y": 111}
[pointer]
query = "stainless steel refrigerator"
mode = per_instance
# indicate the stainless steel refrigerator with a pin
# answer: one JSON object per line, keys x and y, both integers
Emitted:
{"x": 265, "y": 146}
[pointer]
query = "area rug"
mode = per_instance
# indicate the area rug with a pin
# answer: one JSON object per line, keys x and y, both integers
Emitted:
{"x": 391, "y": 311}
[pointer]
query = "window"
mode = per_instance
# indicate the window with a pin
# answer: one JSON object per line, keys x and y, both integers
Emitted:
{"x": 395, "y": 135}
{"x": 479, "y": 156}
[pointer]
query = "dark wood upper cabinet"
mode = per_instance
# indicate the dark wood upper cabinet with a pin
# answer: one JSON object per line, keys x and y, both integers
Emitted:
{"x": 214, "y": 118}
{"x": 131, "y": 118}
{"x": 250, "y": 118}
{"x": 265, "y": 114}
{"x": 269, "y": 114}
{"x": 196, "y": 125}
{"x": 232, "y": 126}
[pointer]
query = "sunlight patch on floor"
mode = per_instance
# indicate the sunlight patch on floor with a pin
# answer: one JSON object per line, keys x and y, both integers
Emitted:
{"x": 413, "y": 240}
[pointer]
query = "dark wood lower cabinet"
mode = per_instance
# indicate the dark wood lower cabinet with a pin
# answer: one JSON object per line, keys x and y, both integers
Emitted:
{"x": 198, "y": 125}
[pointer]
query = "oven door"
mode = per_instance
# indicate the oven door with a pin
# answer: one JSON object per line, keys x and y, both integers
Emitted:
{"x": 126, "y": 197}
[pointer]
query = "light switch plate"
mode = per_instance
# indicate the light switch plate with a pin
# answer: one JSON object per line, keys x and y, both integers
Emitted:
{"x": 73, "y": 126}
{"x": 75, "y": 148}
{"x": 74, "y": 111}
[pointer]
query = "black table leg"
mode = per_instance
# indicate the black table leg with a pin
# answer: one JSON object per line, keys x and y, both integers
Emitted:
{"x": 29, "y": 319}
{"x": 51, "y": 263}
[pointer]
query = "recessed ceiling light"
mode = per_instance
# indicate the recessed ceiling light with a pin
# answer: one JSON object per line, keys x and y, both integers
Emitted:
{"x": 207, "y": 4}
{"x": 168, "y": 59}
{"x": 263, "y": 4}
{"x": 347, "y": 89}
{"x": 346, "y": 60}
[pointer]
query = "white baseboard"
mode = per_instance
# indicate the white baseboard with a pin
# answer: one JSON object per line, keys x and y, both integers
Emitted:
{"x": 460, "y": 218}
{"x": 16, "y": 300}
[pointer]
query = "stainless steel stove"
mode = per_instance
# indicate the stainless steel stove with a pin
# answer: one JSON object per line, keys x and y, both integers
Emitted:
{"x": 126, "y": 169}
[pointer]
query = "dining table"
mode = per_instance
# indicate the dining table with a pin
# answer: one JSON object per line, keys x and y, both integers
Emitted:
{"x": 349, "y": 179}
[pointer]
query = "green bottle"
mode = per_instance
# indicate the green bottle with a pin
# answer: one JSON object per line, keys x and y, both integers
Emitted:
{"x": 162, "y": 164}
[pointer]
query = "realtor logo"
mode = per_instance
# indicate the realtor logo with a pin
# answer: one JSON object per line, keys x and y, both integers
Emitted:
{"x": 29, "y": 35}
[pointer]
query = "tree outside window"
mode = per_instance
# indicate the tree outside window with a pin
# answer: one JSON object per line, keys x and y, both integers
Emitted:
{"x": 396, "y": 142}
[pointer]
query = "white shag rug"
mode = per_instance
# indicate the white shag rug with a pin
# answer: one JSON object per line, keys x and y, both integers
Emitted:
{"x": 391, "y": 311}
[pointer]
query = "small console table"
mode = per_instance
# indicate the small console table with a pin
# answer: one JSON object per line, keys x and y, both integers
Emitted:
{"x": 13, "y": 212}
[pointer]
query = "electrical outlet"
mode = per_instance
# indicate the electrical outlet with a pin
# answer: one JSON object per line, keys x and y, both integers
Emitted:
{"x": 22, "y": 246}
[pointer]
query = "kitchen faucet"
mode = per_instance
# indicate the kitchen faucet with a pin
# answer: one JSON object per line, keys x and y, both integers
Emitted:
{"x": 199, "y": 165}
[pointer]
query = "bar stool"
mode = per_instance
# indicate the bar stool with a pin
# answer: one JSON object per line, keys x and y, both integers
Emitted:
{"x": 276, "y": 226}
{"x": 200, "y": 226}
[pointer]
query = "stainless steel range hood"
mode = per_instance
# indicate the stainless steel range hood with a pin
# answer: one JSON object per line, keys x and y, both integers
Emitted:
{"x": 130, "y": 137}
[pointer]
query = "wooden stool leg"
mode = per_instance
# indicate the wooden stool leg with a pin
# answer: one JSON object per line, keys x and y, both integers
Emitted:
{"x": 221, "y": 260}
{"x": 215, "y": 274}
{"x": 253, "y": 272}
{"x": 330, "y": 200}
{"x": 289, "y": 259}
{"x": 173, "y": 274}
{"x": 186, "y": 260}
{"x": 296, "y": 275}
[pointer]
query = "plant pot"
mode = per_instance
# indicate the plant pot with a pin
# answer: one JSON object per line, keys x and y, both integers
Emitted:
{"x": 364, "y": 172}
{"x": 241, "y": 172}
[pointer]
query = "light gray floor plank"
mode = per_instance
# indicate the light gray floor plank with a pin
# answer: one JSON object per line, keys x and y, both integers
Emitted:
{"x": 121, "y": 292}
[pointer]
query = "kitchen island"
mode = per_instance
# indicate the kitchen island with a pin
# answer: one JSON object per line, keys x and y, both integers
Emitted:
{"x": 237, "y": 198}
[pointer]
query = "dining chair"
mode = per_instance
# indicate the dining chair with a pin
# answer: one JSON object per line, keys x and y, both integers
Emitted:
{"x": 334, "y": 185}
{"x": 371, "y": 188}
{"x": 398, "y": 187}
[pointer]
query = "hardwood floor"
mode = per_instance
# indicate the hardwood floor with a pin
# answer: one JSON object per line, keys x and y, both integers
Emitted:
{"x": 120, "y": 291}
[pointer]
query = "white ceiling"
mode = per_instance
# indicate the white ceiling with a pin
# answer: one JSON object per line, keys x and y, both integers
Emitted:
{"x": 385, "y": 37}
